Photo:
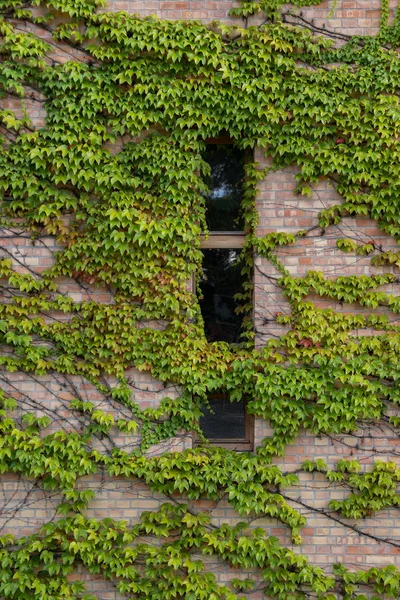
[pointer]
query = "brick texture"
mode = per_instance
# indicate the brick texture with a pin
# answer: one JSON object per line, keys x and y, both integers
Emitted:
{"x": 355, "y": 17}
{"x": 23, "y": 508}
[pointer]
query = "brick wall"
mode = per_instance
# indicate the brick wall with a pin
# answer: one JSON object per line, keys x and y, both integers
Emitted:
{"x": 355, "y": 17}
{"x": 325, "y": 541}
{"x": 204, "y": 10}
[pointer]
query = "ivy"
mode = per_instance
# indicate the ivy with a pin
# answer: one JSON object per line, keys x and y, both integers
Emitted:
{"x": 172, "y": 568}
{"x": 116, "y": 177}
{"x": 377, "y": 488}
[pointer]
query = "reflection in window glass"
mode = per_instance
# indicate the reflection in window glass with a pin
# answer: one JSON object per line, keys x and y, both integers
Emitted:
{"x": 220, "y": 282}
{"x": 225, "y": 188}
{"x": 226, "y": 421}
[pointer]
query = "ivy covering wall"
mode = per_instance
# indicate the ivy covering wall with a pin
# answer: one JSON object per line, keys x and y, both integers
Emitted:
{"x": 130, "y": 222}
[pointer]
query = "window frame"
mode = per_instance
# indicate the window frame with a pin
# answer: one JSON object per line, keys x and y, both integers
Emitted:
{"x": 223, "y": 239}
{"x": 216, "y": 240}
{"x": 245, "y": 444}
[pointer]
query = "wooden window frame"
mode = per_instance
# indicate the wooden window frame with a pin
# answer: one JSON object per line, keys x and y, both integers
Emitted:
{"x": 216, "y": 240}
{"x": 245, "y": 444}
{"x": 222, "y": 239}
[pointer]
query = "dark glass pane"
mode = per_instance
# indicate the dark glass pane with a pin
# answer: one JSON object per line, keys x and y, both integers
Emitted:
{"x": 221, "y": 281}
{"x": 225, "y": 188}
{"x": 227, "y": 422}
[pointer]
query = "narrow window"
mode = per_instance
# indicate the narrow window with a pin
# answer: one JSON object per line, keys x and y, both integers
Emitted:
{"x": 221, "y": 267}
{"x": 225, "y": 423}
{"x": 223, "y": 201}
{"x": 220, "y": 282}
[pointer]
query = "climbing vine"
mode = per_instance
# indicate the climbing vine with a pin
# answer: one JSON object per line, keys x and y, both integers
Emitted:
{"x": 115, "y": 177}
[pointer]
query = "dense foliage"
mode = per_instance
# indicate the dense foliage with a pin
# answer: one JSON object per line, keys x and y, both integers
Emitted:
{"x": 130, "y": 222}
